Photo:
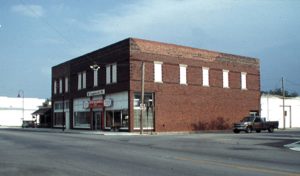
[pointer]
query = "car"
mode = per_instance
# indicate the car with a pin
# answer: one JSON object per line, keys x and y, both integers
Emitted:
{"x": 255, "y": 123}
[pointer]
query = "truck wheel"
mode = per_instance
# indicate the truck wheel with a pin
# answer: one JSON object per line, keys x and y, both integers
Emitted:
{"x": 257, "y": 131}
{"x": 271, "y": 130}
{"x": 236, "y": 131}
{"x": 248, "y": 130}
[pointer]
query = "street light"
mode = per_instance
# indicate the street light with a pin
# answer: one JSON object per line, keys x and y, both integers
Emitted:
{"x": 19, "y": 95}
{"x": 95, "y": 67}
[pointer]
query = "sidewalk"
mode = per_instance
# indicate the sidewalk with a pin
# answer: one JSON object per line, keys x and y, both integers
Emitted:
{"x": 55, "y": 130}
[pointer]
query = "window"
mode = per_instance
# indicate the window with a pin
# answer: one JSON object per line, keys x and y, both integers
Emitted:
{"x": 243, "y": 80}
{"x": 157, "y": 71}
{"x": 82, "y": 119}
{"x": 95, "y": 77}
{"x": 54, "y": 87}
{"x": 182, "y": 74}
{"x": 111, "y": 73}
{"x": 60, "y": 85}
{"x": 66, "y": 84}
{"x": 81, "y": 80}
{"x": 225, "y": 78}
{"x": 148, "y": 115}
{"x": 205, "y": 76}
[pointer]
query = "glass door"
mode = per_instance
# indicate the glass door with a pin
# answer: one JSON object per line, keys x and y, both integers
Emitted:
{"x": 97, "y": 120}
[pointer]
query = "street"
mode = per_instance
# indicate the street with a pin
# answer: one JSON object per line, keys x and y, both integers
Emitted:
{"x": 46, "y": 153}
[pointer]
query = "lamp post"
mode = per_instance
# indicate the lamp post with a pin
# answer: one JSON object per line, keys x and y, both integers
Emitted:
{"x": 19, "y": 95}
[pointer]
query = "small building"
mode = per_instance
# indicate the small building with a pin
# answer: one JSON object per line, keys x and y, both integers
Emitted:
{"x": 272, "y": 109}
{"x": 13, "y": 111}
{"x": 43, "y": 117}
{"x": 185, "y": 89}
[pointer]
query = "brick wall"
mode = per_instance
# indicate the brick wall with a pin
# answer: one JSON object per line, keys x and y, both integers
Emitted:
{"x": 195, "y": 107}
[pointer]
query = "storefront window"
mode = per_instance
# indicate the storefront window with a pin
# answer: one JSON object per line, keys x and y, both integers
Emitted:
{"x": 148, "y": 112}
{"x": 82, "y": 119}
{"x": 58, "y": 119}
{"x": 117, "y": 119}
{"x": 125, "y": 119}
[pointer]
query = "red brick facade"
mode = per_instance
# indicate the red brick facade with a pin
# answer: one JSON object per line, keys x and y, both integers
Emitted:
{"x": 177, "y": 107}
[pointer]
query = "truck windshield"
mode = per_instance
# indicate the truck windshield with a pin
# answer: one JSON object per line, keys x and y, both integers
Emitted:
{"x": 248, "y": 119}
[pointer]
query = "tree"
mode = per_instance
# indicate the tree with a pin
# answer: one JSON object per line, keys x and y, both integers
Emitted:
{"x": 278, "y": 91}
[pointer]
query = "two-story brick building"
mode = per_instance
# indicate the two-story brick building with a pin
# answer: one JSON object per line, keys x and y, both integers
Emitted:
{"x": 186, "y": 89}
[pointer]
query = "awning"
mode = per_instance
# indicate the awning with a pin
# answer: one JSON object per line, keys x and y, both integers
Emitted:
{"x": 41, "y": 111}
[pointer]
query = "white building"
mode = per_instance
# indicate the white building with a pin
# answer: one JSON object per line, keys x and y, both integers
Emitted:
{"x": 12, "y": 110}
{"x": 272, "y": 109}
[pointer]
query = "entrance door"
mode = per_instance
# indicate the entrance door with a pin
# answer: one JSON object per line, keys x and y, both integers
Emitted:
{"x": 97, "y": 120}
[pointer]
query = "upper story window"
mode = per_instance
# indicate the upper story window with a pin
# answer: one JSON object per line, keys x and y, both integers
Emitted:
{"x": 244, "y": 80}
{"x": 66, "y": 84}
{"x": 95, "y": 77}
{"x": 182, "y": 73}
{"x": 205, "y": 76}
{"x": 111, "y": 73}
{"x": 60, "y": 85}
{"x": 158, "y": 71}
{"x": 81, "y": 80}
{"x": 225, "y": 78}
{"x": 54, "y": 87}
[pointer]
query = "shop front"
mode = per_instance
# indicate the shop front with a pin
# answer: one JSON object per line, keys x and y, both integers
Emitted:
{"x": 116, "y": 111}
{"x": 88, "y": 113}
{"x": 61, "y": 114}
{"x": 148, "y": 115}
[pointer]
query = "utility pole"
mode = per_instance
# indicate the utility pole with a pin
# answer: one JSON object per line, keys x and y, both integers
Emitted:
{"x": 142, "y": 96}
{"x": 283, "y": 105}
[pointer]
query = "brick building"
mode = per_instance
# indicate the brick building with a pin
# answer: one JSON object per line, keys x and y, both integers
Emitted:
{"x": 186, "y": 89}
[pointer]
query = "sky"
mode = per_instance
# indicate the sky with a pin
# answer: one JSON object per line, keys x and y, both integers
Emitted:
{"x": 36, "y": 35}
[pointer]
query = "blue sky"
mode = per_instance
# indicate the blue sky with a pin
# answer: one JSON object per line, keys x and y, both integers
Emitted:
{"x": 36, "y": 35}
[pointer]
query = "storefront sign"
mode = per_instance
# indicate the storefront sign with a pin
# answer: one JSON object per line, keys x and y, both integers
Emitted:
{"x": 96, "y": 92}
{"x": 108, "y": 102}
{"x": 96, "y": 104}
{"x": 85, "y": 104}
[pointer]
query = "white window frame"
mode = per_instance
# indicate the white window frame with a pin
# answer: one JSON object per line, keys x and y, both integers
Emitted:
{"x": 95, "y": 77}
{"x": 107, "y": 74}
{"x": 79, "y": 81}
{"x": 60, "y": 85}
{"x": 225, "y": 78}
{"x": 111, "y": 73}
{"x": 84, "y": 80}
{"x": 114, "y": 73}
{"x": 205, "y": 76}
{"x": 158, "y": 72}
{"x": 182, "y": 74}
{"x": 66, "y": 84}
{"x": 243, "y": 80}
{"x": 54, "y": 87}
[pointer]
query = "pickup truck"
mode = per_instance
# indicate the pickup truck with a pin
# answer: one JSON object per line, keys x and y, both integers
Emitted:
{"x": 251, "y": 123}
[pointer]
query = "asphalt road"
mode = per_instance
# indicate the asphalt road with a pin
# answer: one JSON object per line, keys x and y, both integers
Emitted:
{"x": 44, "y": 153}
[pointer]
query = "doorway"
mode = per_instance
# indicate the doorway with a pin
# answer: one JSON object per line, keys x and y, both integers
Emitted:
{"x": 97, "y": 120}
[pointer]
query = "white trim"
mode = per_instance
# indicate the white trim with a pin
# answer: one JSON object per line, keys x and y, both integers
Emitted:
{"x": 66, "y": 84}
{"x": 84, "y": 80}
{"x": 205, "y": 76}
{"x": 158, "y": 72}
{"x": 243, "y": 80}
{"x": 95, "y": 78}
{"x": 225, "y": 78}
{"x": 183, "y": 74}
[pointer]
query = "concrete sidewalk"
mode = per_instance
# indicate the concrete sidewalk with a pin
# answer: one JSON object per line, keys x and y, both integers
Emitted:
{"x": 55, "y": 130}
